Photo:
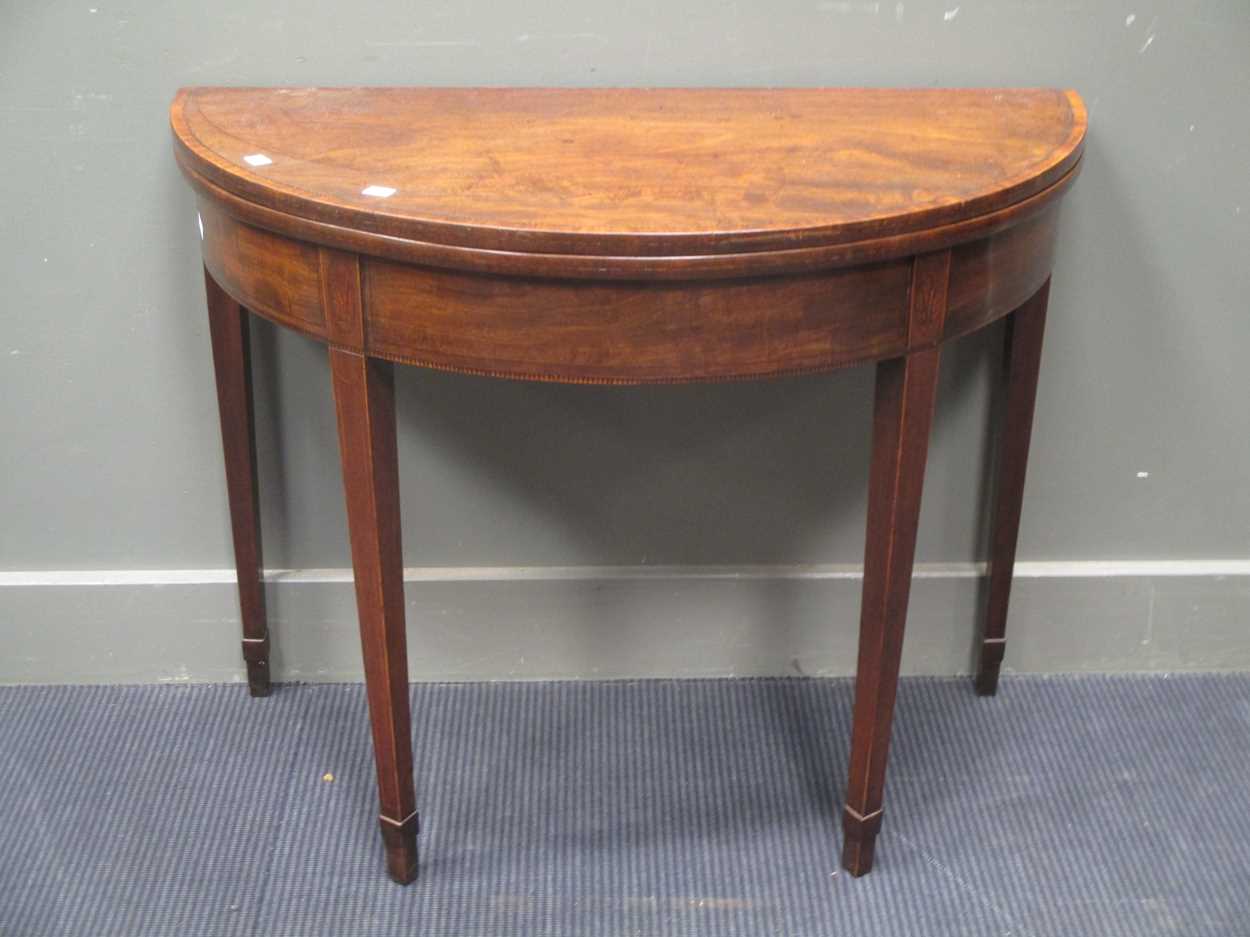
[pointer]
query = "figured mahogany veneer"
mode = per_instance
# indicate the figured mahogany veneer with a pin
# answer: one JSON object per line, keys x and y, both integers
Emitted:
{"x": 629, "y": 236}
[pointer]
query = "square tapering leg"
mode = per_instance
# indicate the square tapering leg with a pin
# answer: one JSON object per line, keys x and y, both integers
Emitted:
{"x": 1022, "y": 356}
{"x": 902, "y": 416}
{"x": 228, "y": 328}
{"x": 365, "y": 404}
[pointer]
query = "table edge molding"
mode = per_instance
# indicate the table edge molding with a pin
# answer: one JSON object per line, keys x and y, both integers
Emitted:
{"x": 591, "y": 267}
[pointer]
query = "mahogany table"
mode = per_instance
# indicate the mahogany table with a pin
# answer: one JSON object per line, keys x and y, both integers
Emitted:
{"x": 622, "y": 236}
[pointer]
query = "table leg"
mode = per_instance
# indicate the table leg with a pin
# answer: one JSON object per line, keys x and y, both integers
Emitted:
{"x": 1022, "y": 354}
{"x": 902, "y": 415}
{"x": 364, "y": 400}
{"x": 228, "y": 328}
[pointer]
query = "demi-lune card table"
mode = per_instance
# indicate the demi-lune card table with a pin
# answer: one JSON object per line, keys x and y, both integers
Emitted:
{"x": 624, "y": 236}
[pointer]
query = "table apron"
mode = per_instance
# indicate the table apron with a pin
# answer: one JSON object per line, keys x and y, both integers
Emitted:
{"x": 617, "y": 331}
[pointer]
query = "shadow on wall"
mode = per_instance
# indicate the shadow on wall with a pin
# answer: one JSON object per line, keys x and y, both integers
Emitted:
{"x": 680, "y": 475}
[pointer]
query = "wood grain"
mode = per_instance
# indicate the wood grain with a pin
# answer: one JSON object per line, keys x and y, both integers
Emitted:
{"x": 364, "y": 400}
{"x": 1022, "y": 358}
{"x": 620, "y": 171}
{"x": 635, "y": 332}
{"x": 992, "y": 276}
{"x": 709, "y": 266}
{"x": 903, "y": 406}
{"x": 272, "y": 275}
{"x": 232, "y": 367}
{"x": 616, "y": 331}
{"x": 339, "y": 275}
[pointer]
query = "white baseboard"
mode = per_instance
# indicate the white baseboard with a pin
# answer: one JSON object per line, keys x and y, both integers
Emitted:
{"x": 482, "y": 623}
{"x": 1056, "y": 569}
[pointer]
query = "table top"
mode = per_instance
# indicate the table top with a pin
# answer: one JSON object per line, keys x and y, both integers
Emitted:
{"x": 630, "y": 172}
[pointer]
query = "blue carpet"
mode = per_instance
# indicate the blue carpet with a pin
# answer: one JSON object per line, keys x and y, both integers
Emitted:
{"x": 1068, "y": 806}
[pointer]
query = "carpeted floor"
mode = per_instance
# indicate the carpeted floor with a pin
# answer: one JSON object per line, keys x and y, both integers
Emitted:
{"x": 1067, "y": 806}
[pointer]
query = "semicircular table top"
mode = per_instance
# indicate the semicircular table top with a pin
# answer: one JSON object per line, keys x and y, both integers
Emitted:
{"x": 630, "y": 172}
